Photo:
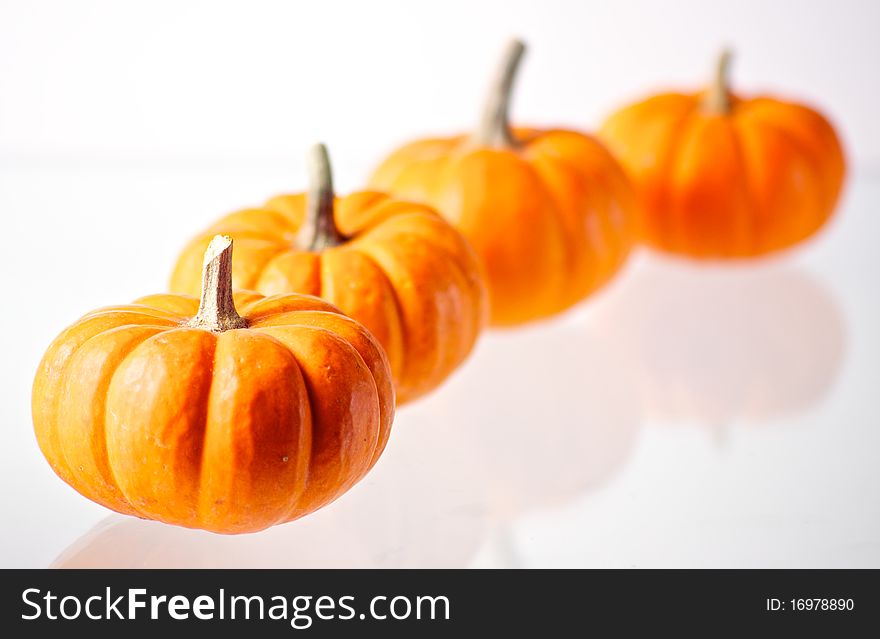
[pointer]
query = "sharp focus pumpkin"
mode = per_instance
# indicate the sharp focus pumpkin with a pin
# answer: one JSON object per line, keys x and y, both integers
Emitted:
{"x": 548, "y": 211}
{"x": 191, "y": 414}
{"x": 722, "y": 176}
{"x": 396, "y": 267}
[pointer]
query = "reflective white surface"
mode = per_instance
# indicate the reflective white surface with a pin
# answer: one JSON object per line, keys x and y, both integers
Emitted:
{"x": 689, "y": 415}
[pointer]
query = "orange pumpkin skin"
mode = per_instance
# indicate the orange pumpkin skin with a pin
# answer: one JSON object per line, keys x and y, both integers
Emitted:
{"x": 755, "y": 176}
{"x": 230, "y": 431}
{"x": 549, "y": 217}
{"x": 402, "y": 271}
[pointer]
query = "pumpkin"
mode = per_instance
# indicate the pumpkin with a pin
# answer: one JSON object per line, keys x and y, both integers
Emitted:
{"x": 396, "y": 267}
{"x": 548, "y": 211}
{"x": 186, "y": 412}
{"x": 724, "y": 176}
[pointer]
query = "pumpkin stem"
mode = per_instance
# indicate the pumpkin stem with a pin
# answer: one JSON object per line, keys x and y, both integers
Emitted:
{"x": 217, "y": 309}
{"x": 717, "y": 98}
{"x": 318, "y": 231}
{"x": 494, "y": 129}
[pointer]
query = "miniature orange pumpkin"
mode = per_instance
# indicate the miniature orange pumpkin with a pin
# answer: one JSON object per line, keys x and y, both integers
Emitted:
{"x": 397, "y": 268}
{"x": 721, "y": 176}
{"x": 191, "y": 414}
{"x": 547, "y": 210}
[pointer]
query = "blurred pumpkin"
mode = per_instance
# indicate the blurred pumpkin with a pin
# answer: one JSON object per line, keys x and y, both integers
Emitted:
{"x": 548, "y": 211}
{"x": 396, "y": 267}
{"x": 723, "y": 176}
{"x": 189, "y": 413}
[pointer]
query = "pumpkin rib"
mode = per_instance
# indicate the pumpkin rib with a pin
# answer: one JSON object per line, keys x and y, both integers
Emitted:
{"x": 182, "y": 307}
{"x": 384, "y": 213}
{"x": 810, "y": 161}
{"x": 431, "y": 362}
{"x": 347, "y": 328}
{"x": 134, "y": 492}
{"x": 474, "y": 285}
{"x": 395, "y": 327}
{"x": 465, "y": 342}
{"x": 427, "y": 173}
{"x": 404, "y": 331}
{"x": 99, "y": 418}
{"x": 414, "y": 223}
{"x": 367, "y": 214}
{"x": 329, "y": 321}
{"x": 132, "y": 503}
{"x": 786, "y": 114}
{"x": 51, "y": 442}
{"x": 242, "y": 470}
{"x": 316, "y": 470}
{"x": 550, "y": 209}
{"x": 707, "y": 163}
{"x": 291, "y": 206}
{"x": 516, "y": 293}
{"x": 671, "y": 157}
{"x": 432, "y": 240}
{"x": 141, "y": 314}
{"x": 544, "y": 164}
{"x": 759, "y": 213}
{"x": 615, "y": 185}
{"x": 262, "y": 307}
{"x": 288, "y": 253}
{"x": 817, "y": 136}
{"x": 675, "y": 225}
{"x": 203, "y": 429}
{"x": 250, "y": 221}
{"x": 746, "y": 191}
{"x": 365, "y": 201}
{"x": 354, "y": 352}
{"x": 246, "y": 301}
{"x": 794, "y": 229}
{"x": 410, "y": 156}
{"x": 571, "y": 252}
{"x": 259, "y": 268}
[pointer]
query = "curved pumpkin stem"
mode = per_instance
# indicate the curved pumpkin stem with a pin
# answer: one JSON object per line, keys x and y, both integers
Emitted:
{"x": 717, "y": 98}
{"x": 494, "y": 129}
{"x": 318, "y": 231}
{"x": 217, "y": 309}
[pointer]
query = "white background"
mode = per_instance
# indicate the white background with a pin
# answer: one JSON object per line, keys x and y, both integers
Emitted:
{"x": 227, "y": 82}
{"x": 687, "y": 416}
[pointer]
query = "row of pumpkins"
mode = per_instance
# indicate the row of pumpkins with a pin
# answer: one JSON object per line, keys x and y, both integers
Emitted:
{"x": 274, "y": 392}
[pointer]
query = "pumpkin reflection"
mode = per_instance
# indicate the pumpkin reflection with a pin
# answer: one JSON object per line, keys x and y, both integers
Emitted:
{"x": 558, "y": 419}
{"x": 409, "y": 512}
{"x": 715, "y": 344}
